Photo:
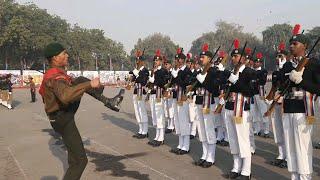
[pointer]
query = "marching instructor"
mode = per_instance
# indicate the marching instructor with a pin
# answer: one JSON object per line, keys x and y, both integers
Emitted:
{"x": 61, "y": 97}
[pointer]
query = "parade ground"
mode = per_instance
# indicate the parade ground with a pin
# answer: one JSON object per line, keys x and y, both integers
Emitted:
{"x": 30, "y": 149}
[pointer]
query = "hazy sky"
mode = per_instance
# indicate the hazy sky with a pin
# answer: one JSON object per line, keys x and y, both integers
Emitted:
{"x": 183, "y": 20}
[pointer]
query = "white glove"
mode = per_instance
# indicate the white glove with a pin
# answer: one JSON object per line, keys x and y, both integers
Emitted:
{"x": 151, "y": 79}
{"x": 201, "y": 77}
{"x": 295, "y": 76}
{"x": 174, "y": 73}
{"x": 268, "y": 102}
{"x": 136, "y": 72}
{"x": 233, "y": 78}
{"x": 220, "y": 67}
{"x": 222, "y": 101}
{"x": 190, "y": 94}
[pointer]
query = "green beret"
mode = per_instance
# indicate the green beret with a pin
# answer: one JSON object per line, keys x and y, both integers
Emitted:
{"x": 53, "y": 49}
{"x": 300, "y": 38}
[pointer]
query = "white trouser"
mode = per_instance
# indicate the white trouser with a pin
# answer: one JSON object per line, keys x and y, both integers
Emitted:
{"x": 192, "y": 114}
{"x": 183, "y": 126}
{"x": 262, "y": 107}
{"x": 277, "y": 127}
{"x": 208, "y": 152}
{"x": 239, "y": 141}
{"x": 219, "y": 123}
{"x": 297, "y": 134}
{"x": 152, "y": 102}
{"x": 169, "y": 112}
{"x": 160, "y": 120}
{"x": 141, "y": 114}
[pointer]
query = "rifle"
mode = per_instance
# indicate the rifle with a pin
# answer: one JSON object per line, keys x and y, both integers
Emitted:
{"x": 236, "y": 70}
{"x": 205, "y": 70}
{"x": 300, "y": 66}
{"x": 149, "y": 85}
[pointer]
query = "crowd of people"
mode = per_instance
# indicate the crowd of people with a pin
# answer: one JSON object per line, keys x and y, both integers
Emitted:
{"x": 198, "y": 95}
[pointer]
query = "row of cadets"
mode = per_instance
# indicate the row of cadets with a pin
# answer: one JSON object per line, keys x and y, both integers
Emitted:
{"x": 236, "y": 114}
{"x": 169, "y": 105}
{"x": 205, "y": 107}
{"x": 218, "y": 90}
{"x": 158, "y": 80}
{"x": 182, "y": 124}
{"x": 276, "y": 118}
{"x": 298, "y": 106}
{"x": 140, "y": 77}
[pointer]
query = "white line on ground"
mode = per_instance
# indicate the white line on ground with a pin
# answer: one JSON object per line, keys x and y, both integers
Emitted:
{"x": 18, "y": 164}
{"x": 132, "y": 159}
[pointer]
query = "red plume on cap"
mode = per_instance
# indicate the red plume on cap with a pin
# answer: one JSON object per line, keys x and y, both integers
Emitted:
{"x": 221, "y": 54}
{"x": 236, "y": 43}
{"x": 296, "y": 29}
{"x": 158, "y": 53}
{"x": 189, "y": 56}
{"x": 205, "y": 47}
{"x": 138, "y": 53}
{"x": 179, "y": 51}
{"x": 259, "y": 55}
{"x": 248, "y": 51}
{"x": 282, "y": 46}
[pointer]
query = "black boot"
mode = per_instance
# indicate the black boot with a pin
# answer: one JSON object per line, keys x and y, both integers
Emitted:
{"x": 199, "y": 162}
{"x": 97, "y": 93}
{"x": 114, "y": 103}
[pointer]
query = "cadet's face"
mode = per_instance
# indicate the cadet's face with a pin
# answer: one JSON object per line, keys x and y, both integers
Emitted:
{"x": 158, "y": 63}
{"x": 235, "y": 59}
{"x": 204, "y": 59}
{"x": 297, "y": 48}
{"x": 257, "y": 64}
{"x": 251, "y": 63}
{"x": 168, "y": 65}
{"x": 61, "y": 59}
{"x": 188, "y": 64}
{"x": 181, "y": 62}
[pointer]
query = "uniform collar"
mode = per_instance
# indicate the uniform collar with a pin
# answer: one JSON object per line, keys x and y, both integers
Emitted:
{"x": 183, "y": 67}
{"x": 242, "y": 67}
{"x": 141, "y": 68}
{"x": 258, "y": 69}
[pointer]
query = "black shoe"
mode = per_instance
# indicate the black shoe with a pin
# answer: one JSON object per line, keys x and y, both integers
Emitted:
{"x": 283, "y": 164}
{"x": 142, "y": 136}
{"x": 259, "y": 133}
{"x": 242, "y": 177}
{"x": 158, "y": 143}
{"x": 176, "y": 150}
{"x": 276, "y": 162}
{"x": 255, "y": 134}
{"x": 182, "y": 152}
{"x": 233, "y": 175}
{"x": 192, "y": 136}
{"x": 218, "y": 142}
{"x": 199, "y": 162}
{"x": 168, "y": 131}
{"x": 136, "y": 135}
{"x": 224, "y": 143}
{"x": 253, "y": 153}
{"x": 207, "y": 164}
{"x": 152, "y": 142}
{"x": 114, "y": 103}
{"x": 317, "y": 146}
{"x": 266, "y": 135}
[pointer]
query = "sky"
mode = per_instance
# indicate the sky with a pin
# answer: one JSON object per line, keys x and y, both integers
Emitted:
{"x": 183, "y": 20}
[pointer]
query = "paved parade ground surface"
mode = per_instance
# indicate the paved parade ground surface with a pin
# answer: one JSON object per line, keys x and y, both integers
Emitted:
{"x": 29, "y": 148}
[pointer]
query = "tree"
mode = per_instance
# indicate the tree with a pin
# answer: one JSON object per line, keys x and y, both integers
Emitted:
{"x": 313, "y": 34}
{"x": 151, "y": 44}
{"x": 224, "y": 36}
{"x": 26, "y": 29}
